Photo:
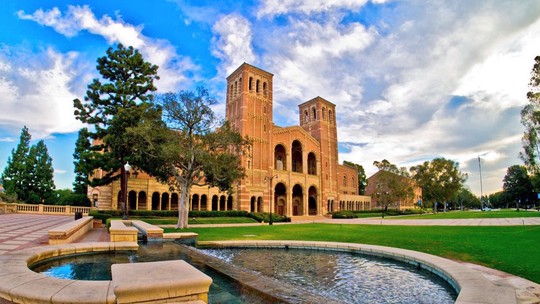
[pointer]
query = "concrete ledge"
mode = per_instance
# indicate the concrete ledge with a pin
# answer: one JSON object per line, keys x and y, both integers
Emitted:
{"x": 471, "y": 286}
{"x": 70, "y": 232}
{"x": 169, "y": 281}
{"x": 119, "y": 232}
{"x": 150, "y": 232}
{"x": 19, "y": 284}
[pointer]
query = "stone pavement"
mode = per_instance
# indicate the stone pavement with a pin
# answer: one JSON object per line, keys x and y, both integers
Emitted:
{"x": 19, "y": 231}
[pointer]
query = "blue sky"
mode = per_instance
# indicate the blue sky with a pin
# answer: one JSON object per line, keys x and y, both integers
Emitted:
{"x": 412, "y": 80}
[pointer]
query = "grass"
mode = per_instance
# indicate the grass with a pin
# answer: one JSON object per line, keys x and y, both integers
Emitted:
{"x": 508, "y": 213}
{"x": 201, "y": 220}
{"x": 511, "y": 249}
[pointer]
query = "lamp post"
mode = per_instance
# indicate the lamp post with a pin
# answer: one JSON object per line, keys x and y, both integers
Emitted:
{"x": 124, "y": 170}
{"x": 269, "y": 179}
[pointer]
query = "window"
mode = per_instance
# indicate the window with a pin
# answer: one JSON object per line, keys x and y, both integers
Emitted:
{"x": 323, "y": 113}
{"x": 257, "y": 86}
{"x": 345, "y": 181}
{"x": 314, "y": 113}
{"x": 306, "y": 116}
{"x": 264, "y": 88}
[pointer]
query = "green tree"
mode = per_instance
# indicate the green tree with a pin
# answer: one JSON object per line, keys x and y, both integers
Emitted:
{"x": 440, "y": 180}
{"x": 81, "y": 159}
{"x": 518, "y": 186}
{"x": 15, "y": 176}
{"x": 122, "y": 102}
{"x": 362, "y": 179}
{"x": 530, "y": 118}
{"x": 189, "y": 150}
{"x": 466, "y": 199}
{"x": 393, "y": 184}
{"x": 41, "y": 172}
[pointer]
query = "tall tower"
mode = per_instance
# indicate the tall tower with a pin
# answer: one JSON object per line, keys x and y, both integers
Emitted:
{"x": 249, "y": 110}
{"x": 318, "y": 118}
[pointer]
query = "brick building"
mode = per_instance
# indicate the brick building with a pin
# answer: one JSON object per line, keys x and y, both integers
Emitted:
{"x": 407, "y": 203}
{"x": 296, "y": 167}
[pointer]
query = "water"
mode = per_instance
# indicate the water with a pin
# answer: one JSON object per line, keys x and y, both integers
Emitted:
{"x": 345, "y": 277}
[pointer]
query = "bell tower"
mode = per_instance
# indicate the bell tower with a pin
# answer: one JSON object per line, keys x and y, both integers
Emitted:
{"x": 249, "y": 110}
{"x": 317, "y": 117}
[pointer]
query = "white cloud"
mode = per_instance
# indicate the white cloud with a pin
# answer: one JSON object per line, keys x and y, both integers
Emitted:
{"x": 172, "y": 66}
{"x": 278, "y": 7}
{"x": 232, "y": 43}
{"x": 37, "y": 91}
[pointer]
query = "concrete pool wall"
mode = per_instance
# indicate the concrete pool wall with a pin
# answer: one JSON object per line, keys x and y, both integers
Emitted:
{"x": 19, "y": 284}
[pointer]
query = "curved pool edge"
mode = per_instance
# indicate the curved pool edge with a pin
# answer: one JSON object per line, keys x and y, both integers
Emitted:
{"x": 19, "y": 284}
{"x": 470, "y": 284}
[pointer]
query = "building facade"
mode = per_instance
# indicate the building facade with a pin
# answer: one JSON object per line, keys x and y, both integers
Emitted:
{"x": 296, "y": 167}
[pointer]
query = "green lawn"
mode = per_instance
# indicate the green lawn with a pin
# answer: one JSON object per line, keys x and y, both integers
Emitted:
{"x": 508, "y": 213}
{"x": 512, "y": 249}
{"x": 201, "y": 220}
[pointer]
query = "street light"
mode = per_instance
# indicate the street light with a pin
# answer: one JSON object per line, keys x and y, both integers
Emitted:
{"x": 124, "y": 171}
{"x": 270, "y": 178}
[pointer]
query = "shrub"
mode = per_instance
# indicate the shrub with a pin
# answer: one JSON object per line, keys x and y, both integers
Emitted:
{"x": 103, "y": 215}
{"x": 74, "y": 200}
{"x": 265, "y": 216}
{"x": 344, "y": 214}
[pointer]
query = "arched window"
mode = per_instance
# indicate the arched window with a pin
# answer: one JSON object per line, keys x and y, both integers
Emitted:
{"x": 296, "y": 153}
{"x": 323, "y": 113}
{"x": 314, "y": 113}
{"x": 330, "y": 116}
{"x": 306, "y": 116}
{"x": 312, "y": 163}
{"x": 250, "y": 84}
{"x": 344, "y": 180}
{"x": 257, "y": 86}
{"x": 279, "y": 158}
{"x": 235, "y": 88}
{"x": 231, "y": 91}
{"x": 264, "y": 88}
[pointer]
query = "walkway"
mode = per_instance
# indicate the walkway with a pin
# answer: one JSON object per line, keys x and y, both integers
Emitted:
{"x": 525, "y": 221}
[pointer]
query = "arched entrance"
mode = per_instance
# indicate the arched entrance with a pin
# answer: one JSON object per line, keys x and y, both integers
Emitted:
{"x": 252, "y": 204}
{"x": 280, "y": 157}
{"x": 296, "y": 154}
{"x": 312, "y": 201}
{"x": 215, "y": 202}
{"x": 174, "y": 201}
{"x": 204, "y": 202}
{"x": 155, "y": 201}
{"x": 165, "y": 201}
{"x": 297, "y": 200}
{"x": 132, "y": 199}
{"x": 280, "y": 199}
{"x": 142, "y": 201}
{"x": 195, "y": 202}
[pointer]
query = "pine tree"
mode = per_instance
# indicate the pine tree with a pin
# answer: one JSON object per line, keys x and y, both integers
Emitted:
{"x": 41, "y": 172}
{"x": 116, "y": 106}
{"x": 82, "y": 162}
{"x": 15, "y": 177}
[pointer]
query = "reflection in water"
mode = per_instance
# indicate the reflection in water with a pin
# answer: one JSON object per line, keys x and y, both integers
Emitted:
{"x": 351, "y": 278}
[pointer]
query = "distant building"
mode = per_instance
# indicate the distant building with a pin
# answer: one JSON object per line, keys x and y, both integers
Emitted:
{"x": 309, "y": 181}
{"x": 408, "y": 203}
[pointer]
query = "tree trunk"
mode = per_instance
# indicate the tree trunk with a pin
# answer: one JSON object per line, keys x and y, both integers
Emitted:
{"x": 183, "y": 208}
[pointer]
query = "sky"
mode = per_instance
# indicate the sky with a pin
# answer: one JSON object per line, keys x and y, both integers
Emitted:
{"x": 411, "y": 80}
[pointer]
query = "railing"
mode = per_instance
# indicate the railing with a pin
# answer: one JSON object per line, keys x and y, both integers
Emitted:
{"x": 43, "y": 209}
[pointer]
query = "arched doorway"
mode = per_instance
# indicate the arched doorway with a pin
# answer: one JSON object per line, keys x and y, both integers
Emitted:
{"x": 259, "y": 204}
{"x": 215, "y": 202}
{"x": 142, "y": 201}
{"x": 132, "y": 199}
{"x": 204, "y": 202}
{"x": 155, "y": 201}
{"x": 297, "y": 200}
{"x": 230, "y": 202}
{"x": 165, "y": 201}
{"x": 312, "y": 201}
{"x": 296, "y": 154}
{"x": 252, "y": 204}
{"x": 222, "y": 201}
{"x": 195, "y": 202}
{"x": 280, "y": 199}
{"x": 312, "y": 163}
{"x": 174, "y": 201}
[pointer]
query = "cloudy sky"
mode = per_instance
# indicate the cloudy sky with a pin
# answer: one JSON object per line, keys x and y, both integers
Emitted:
{"x": 412, "y": 80}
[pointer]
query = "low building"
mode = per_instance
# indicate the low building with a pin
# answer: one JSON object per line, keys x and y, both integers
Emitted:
{"x": 295, "y": 167}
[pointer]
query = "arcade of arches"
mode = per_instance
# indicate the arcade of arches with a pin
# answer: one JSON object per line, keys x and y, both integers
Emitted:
{"x": 169, "y": 201}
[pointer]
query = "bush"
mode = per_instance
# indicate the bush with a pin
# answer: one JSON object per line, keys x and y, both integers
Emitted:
{"x": 8, "y": 198}
{"x": 265, "y": 217}
{"x": 74, "y": 200}
{"x": 103, "y": 215}
{"x": 345, "y": 214}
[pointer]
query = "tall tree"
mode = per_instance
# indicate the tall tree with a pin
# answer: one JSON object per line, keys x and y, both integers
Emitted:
{"x": 15, "y": 176}
{"x": 122, "y": 102}
{"x": 362, "y": 179}
{"x": 81, "y": 161}
{"x": 189, "y": 150}
{"x": 393, "y": 184}
{"x": 39, "y": 164}
{"x": 530, "y": 118}
{"x": 440, "y": 180}
{"x": 518, "y": 186}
